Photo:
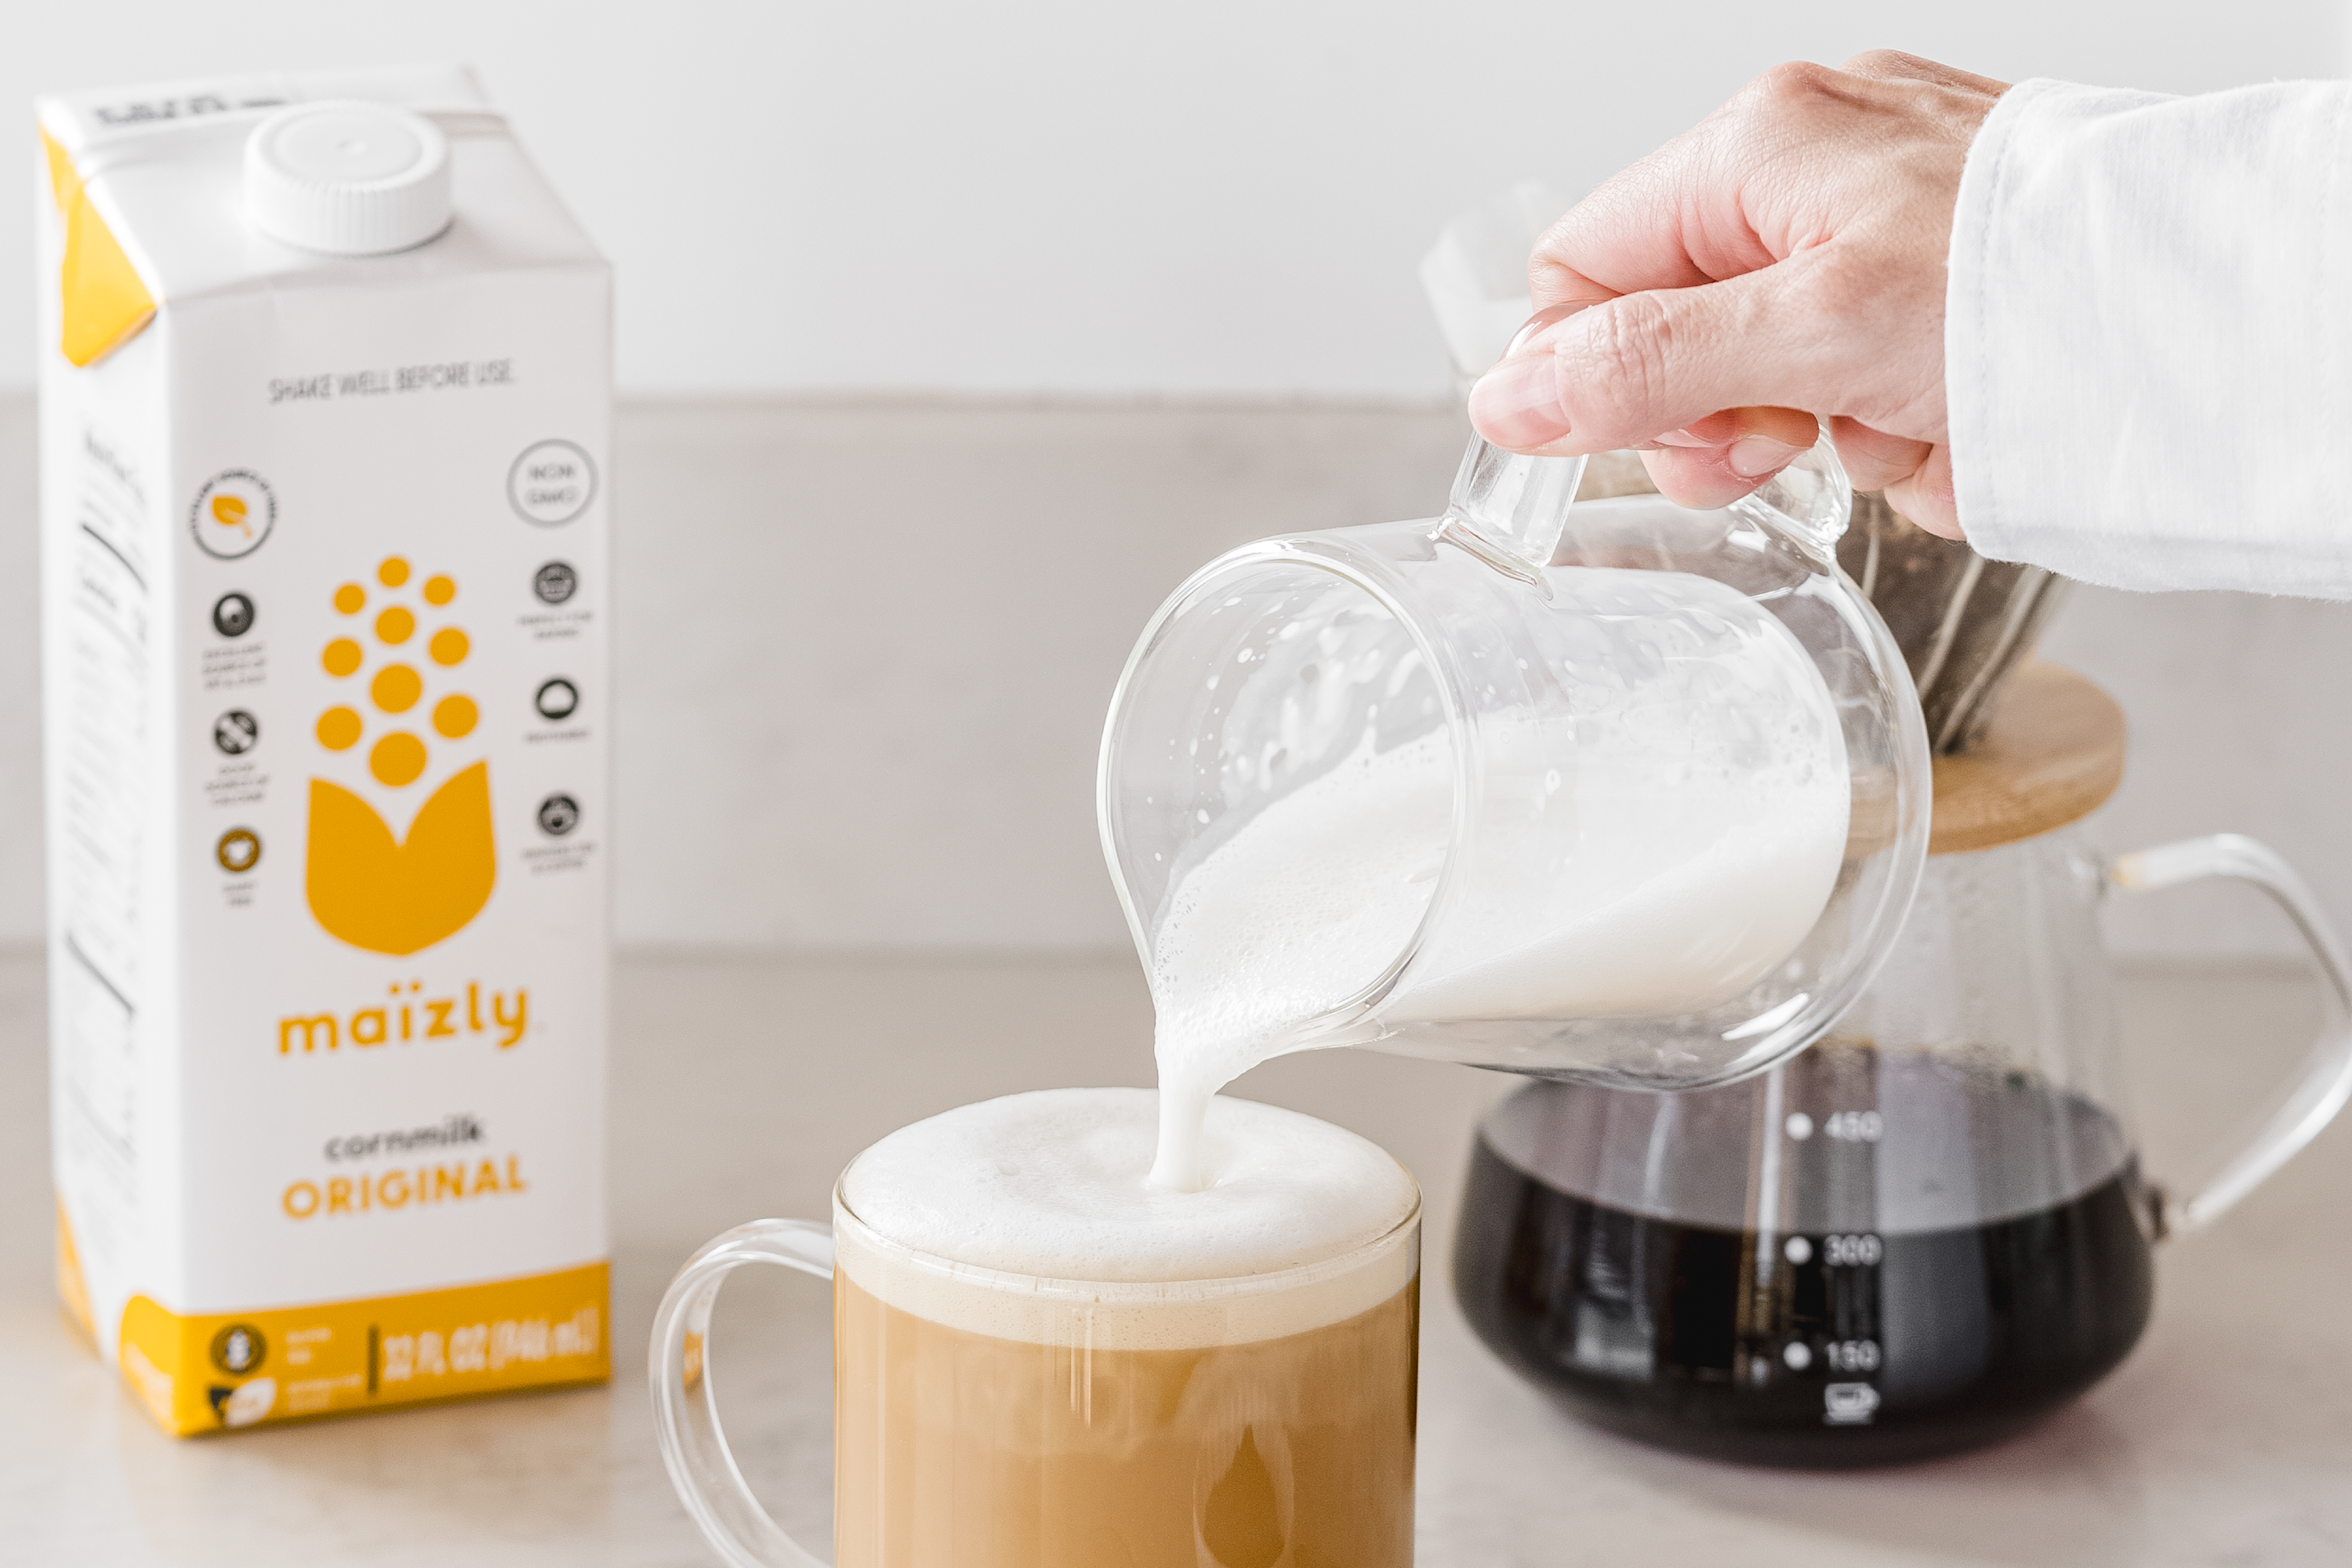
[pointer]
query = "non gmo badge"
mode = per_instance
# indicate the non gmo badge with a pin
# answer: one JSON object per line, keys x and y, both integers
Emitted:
{"x": 233, "y": 514}
{"x": 551, "y": 483}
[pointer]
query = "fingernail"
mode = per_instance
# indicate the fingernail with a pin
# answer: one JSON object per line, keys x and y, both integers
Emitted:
{"x": 1539, "y": 321}
{"x": 1683, "y": 438}
{"x": 1754, "y": 456}
{"x": 1516, "y": 404}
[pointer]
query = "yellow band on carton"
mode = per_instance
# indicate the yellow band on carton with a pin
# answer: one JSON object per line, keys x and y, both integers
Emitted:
{"x": 221, "y": 1371}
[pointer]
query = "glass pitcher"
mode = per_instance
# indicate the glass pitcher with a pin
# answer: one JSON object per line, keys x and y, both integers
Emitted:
{"x": 1626, "y": 790}
{"x": 1924, "y": 1232}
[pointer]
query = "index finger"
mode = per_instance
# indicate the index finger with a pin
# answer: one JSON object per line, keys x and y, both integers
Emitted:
{"x": 1685, "y": 214}
{"x": 1760, "y": 179}
{"x": 1645, "y": 228}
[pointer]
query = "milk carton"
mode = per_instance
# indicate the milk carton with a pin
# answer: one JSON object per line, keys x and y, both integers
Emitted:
{"x": 324, "y": 413}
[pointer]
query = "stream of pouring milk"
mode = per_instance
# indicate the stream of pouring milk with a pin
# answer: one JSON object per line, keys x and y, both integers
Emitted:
{"x": 1612, "y": 896}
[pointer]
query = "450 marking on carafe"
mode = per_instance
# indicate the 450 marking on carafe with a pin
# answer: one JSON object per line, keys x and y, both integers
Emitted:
{"x": 1855, "y": 1126}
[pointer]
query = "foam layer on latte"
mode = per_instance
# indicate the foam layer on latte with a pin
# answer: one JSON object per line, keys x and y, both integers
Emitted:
{"x": 1029, "y": 1217}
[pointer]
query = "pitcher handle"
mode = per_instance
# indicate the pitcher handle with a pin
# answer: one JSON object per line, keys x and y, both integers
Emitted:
{"x": 686, "y": 1408}
{"x": 2326, "y": 1078}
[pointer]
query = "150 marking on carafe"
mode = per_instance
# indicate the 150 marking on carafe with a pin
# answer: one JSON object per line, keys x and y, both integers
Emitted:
{"x": 1851, "y": 1355}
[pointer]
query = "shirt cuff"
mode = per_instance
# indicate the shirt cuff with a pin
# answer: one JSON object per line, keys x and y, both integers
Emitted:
{"x": 2147, "y": 342}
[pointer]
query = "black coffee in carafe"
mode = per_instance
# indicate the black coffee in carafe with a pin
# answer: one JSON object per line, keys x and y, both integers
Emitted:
{"x": 1926, "y": 1229}
{"x": 1869, "y": 1256}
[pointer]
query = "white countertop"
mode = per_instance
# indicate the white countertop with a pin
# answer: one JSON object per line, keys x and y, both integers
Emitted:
{"x": 741, "y": 1087}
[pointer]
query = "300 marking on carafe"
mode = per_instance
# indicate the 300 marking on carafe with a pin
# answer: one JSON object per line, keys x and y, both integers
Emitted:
{"x": 1853, "y": 1251}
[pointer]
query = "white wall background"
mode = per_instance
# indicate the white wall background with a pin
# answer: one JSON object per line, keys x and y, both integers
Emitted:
{"x": 1067, "y": 196}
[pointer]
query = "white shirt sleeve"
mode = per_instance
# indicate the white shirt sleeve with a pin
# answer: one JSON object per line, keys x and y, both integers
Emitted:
{"x": 2148, "y": 337}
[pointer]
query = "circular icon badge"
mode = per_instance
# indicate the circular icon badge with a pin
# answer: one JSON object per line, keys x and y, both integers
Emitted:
{"x": 233, "y": 514}
{"x": 557, "y": 814}
{"x": 238, "y": 851}
{"x": 233, "y": 614}
{"x": 556, "y": 699}
{"x": 555, "y": 581}
{"x": 551, "y": 483}
{"x": 239, "y": 1349}
{"x": 236, "y": 732}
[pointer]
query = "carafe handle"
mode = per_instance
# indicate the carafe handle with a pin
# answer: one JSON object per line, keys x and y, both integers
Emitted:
{"x": 2326, "y": 1082}
{"x": 685, "y": 1409}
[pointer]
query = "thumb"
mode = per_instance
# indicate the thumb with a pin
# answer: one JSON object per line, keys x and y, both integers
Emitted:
{"x": 1628, "y": 370}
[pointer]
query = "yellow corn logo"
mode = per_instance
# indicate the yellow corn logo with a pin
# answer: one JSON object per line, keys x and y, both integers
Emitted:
{"x": 366, "y": 887}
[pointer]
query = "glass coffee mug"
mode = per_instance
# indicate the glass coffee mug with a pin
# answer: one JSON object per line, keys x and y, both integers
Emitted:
{"x": 992, "y": 1418}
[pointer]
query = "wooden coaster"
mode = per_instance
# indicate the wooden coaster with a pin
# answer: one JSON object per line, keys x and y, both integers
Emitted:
{"x": 2051, "y": 755}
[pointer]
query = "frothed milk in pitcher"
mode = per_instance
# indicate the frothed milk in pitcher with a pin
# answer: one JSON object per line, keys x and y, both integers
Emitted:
{"x": 1668, "y": 852}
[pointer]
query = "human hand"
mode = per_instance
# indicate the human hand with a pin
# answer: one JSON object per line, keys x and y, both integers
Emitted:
{"x": 1787, "y": 254}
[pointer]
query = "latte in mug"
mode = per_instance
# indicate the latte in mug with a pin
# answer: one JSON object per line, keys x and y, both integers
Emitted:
{"x": 1043, "y": 1361}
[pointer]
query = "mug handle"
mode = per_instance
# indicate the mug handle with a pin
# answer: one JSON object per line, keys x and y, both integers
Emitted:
{"x": 685, "y": 1407}
{"x": 2327, "y": 1079}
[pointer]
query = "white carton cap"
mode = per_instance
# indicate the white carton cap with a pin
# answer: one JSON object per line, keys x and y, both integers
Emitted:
{"x": 348, "y": 178}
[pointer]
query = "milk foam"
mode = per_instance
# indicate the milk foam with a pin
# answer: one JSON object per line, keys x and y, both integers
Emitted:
{"x": 1052, "y": 1184}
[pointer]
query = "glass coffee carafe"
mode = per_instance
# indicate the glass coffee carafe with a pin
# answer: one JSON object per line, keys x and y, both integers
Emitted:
{"x": 1928, "y": 1228}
